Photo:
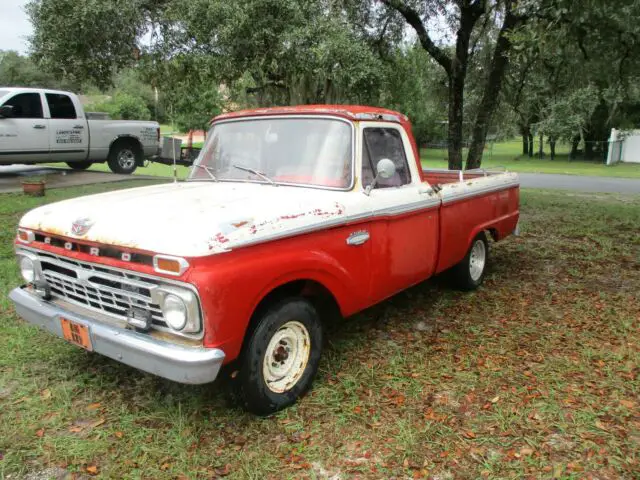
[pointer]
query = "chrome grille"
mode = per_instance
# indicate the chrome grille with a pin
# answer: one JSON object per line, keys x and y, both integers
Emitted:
{"x": 106, "y": 289}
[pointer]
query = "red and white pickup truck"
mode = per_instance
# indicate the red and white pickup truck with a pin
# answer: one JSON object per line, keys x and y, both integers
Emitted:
{"x": 290, "y": 216}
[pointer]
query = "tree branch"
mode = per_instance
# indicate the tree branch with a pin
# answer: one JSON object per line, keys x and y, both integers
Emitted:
{"x": 413, "y": 18}
{"x": 483, "y": 29}
{"x": 264, "y": 86}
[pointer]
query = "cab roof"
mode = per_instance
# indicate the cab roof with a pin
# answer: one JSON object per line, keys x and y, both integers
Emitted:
{"x": 350, "y": 112}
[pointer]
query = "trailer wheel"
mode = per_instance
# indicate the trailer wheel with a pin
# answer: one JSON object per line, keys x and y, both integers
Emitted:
{"x": 469, "y": 273}
{"x": 80, "y": 165}
{"x": 124, "y": 156}
{"x": 281, "y": 357}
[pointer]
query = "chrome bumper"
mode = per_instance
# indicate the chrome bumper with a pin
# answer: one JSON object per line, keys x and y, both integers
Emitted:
{"x": 194, "y": 365}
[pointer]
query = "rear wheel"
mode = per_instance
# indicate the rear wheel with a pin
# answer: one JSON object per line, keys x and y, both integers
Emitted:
{"x": 469, "y": 273}
{"x": 80, "y": 165}
{"x": 280, "y": 358}
{"x": 124, "y": 157}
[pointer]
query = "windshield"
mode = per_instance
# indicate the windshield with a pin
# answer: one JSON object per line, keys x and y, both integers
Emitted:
{"x": 304, "y": 151}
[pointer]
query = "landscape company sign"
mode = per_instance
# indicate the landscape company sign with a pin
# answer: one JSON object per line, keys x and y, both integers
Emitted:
{"x": 68, "y": 136}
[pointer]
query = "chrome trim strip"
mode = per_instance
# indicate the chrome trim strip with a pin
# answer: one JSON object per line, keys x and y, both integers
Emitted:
{"x": 287, "y": 116}
{"x": 448, "y": 198}
{"x": 180, "y": 363}
{"x": 393, "y": 211}
{"x": 302, "y": 230}
{"x": 408, "y": 207}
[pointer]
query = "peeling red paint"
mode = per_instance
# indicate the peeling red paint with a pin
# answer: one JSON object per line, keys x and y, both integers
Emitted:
{"x": 291, "y": 217}
{"x": 220, "y": 238}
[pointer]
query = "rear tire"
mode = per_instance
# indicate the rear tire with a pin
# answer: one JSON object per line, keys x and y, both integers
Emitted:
{"x": 280, "y": 358}
{"x": 469, "y": 273}
{"x": 80, "y": 165}
{"x": 124, "y": 157}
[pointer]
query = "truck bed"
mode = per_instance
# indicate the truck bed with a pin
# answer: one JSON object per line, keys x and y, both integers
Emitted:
{"x": 473, "y": 201}
{"x": 439, "y": 176}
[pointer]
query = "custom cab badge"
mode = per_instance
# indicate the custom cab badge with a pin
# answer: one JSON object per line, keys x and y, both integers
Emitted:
{"x": 81, "y": 226}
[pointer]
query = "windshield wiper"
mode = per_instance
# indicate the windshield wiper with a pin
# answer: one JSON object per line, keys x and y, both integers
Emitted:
{"x": 255, "y": 172}
{"x": 206, "y": 169}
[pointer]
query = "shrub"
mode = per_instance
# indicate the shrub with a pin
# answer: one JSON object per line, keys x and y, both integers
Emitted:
{"x": 123, "y": 106}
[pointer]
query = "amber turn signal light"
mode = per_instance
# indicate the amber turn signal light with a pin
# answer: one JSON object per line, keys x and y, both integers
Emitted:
{"x": 171, "y": 265}
{"x": 26, "y": 236}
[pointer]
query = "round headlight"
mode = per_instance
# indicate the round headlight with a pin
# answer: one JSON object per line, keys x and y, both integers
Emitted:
{"x": 28, "y": 269}
{"x": 175, "y": 312}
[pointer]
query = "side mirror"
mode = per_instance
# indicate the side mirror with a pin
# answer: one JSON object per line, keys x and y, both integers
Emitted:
{"x": 385, "y": 169}
{"x": 6, "y": 111}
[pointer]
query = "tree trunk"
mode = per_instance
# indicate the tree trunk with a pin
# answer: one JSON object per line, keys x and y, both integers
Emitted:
{"x": 541, "y": 147}
{"x": 530, "y": 144}
{"x": 456, "y": 102}
{"x": 457, "y": 75}
{"x": 525, "y": 145}
{"x": 552, "y": 147}
{"x": 588, "y": 146}
{"x": 575, "y": 141}
{"x": 455, "y": 66}
{"x": 492, "y": 88}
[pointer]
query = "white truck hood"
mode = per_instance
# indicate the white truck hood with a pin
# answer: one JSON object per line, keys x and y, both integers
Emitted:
{"x": 192, "y": 219}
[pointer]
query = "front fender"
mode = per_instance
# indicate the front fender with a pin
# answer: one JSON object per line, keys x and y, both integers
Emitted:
{"x": 231, "y": 286}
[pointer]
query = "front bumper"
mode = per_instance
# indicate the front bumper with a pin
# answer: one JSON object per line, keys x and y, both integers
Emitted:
{"x": 184, "y": 364}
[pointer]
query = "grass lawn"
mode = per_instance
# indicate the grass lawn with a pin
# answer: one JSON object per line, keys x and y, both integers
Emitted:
{"x": 534, "y": 375}
{"x": 154, "y": 169}
{"x": 509, "y": 154}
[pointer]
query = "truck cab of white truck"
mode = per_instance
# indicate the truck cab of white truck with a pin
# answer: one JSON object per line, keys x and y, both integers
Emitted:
{"x": 46, "y": 126}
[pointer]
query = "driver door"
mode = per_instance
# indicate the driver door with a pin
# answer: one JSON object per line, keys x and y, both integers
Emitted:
{"x": 24, "y": 137}
{"x": 404, "y": 226}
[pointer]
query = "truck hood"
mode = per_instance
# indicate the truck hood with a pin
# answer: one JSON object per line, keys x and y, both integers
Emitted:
{"x": 192, "y": 219}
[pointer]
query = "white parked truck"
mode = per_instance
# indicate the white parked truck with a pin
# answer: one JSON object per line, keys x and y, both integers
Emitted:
{"x": 44, "y": 126}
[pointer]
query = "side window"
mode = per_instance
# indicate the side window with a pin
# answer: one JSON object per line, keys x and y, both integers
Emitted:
{"x": 382, "y": 143}
{"x": 26, "y": 105}
{"x": 60, "y": 106}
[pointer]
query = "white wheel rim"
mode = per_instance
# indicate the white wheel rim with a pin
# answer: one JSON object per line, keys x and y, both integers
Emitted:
{"x": 286, "y": 357}
{"x": 126, "y": 159}
{"x": 477, "y": 259}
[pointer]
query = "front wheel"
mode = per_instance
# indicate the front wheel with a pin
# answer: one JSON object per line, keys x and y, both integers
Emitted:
{"x": 469, "y": 273}
{"x": 124, "y": 157}
{"x": 280, "y": 358}
{"x": 80, "y": 165}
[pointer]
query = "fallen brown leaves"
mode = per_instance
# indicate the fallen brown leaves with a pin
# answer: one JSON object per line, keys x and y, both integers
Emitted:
{"x": 535, "y": 375}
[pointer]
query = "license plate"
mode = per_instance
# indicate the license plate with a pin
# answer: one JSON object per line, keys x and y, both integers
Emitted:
{"x": 76, "y": 333}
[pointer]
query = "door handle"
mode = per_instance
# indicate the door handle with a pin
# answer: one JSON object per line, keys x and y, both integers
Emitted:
{"x": 39, "y": 127}
{"x": 358, "y": 238}
{"x": 78, "y": 126}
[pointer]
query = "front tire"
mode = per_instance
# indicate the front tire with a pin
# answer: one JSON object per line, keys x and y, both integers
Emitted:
{"x": 281, "y": 357}
{"x": 80, "y": 165}
{"x": 124, "y": 157}
{"x": 469, "y": 273}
